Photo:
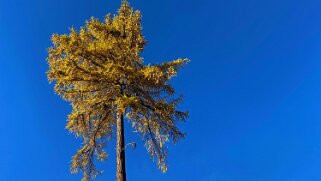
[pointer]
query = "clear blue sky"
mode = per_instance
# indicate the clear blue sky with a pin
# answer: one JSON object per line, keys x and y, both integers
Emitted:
{"x": 253, "y": 89}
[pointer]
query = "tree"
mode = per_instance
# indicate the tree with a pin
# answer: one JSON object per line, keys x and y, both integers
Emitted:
{"x": 99, "y": 70}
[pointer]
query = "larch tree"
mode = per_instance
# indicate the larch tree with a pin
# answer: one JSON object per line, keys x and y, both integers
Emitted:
{"x": 99, "y": 70}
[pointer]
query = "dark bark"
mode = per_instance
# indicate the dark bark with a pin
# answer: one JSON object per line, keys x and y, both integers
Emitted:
{"x": 120, "y": 148}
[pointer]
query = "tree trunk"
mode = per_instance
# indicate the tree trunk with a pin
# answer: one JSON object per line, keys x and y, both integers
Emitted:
{"x": 120, "y": 150}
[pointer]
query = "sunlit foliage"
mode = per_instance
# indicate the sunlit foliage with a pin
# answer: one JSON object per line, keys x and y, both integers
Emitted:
{"x": 89, "y": 68}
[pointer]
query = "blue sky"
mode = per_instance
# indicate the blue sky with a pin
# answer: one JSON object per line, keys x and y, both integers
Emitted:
{"x": 253, "y": 89}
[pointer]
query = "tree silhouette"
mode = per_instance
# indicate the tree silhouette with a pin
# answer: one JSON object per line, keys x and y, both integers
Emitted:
{"x": 99, "y": 70}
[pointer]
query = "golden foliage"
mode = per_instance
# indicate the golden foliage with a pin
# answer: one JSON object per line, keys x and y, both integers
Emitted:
{"x": 89, "y": 68}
